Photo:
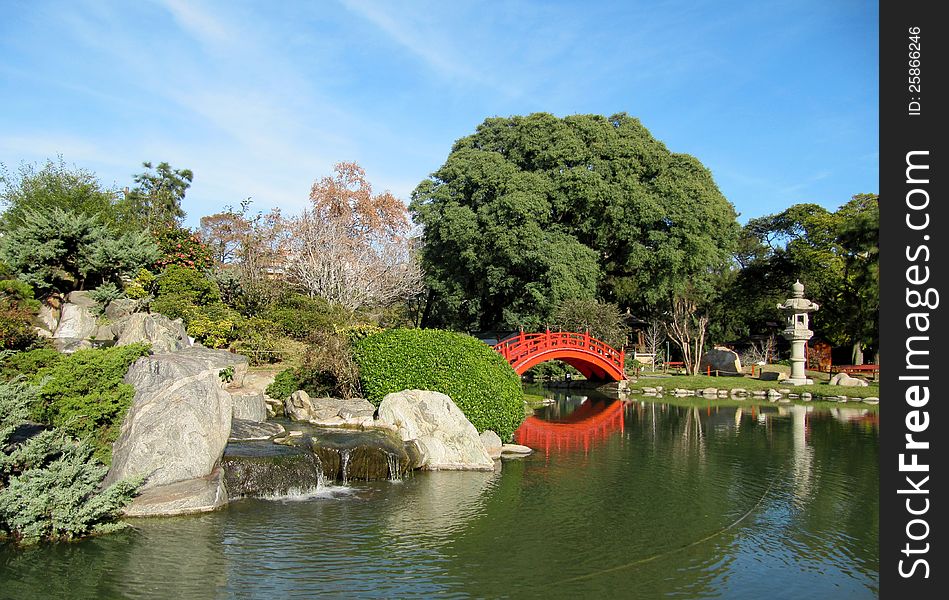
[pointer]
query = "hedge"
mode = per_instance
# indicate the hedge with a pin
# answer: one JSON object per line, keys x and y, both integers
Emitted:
{"x": 478, "y": 379}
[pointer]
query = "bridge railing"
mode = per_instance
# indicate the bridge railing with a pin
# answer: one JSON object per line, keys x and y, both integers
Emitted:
{"x": 523, "y": 345}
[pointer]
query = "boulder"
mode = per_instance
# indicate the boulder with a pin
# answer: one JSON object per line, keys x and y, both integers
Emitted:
{"x": 492, "y": 443}
{"x": 201, "y": 494}
{"x": 721, "y": 359}
{"x": 515, "y": 449}
{"x": 180, "y": 417}
{"x": 158, "y": 330}
{"x": 68, "y": 345}
{"x": 249, "y": 431}
{"x": 81, "y": 298}
{"x": 846, "y": 380}
{"x": 121, "y": 308}
{"x": 48, "y": 318}
{"x": 76, "y": 322}
{"x": 329, "y": 412}
{"x": 250, "y": 407}
{"x": 444, "y": 437}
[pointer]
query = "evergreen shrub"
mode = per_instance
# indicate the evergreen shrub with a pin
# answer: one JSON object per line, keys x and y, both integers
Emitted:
{"x": 478, "y": 379}
{"x": 49, "y": 484}
{"x": 28, "y": 363}
{"x": 84, "y": 394}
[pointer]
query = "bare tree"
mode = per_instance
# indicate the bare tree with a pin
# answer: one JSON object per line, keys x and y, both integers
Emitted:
{"x": 687, "y": 330}
{"x": 653, "y": 336}
{"x": 760, "y": 351}
{"x": 351, "y": 247}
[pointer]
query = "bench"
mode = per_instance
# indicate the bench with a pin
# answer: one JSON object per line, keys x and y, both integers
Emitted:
{"x": 871, "y": 370}
{"x": 674, "y": 364}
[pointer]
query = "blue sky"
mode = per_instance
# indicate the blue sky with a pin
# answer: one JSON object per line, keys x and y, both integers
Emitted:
{"x": 259, "y": 99}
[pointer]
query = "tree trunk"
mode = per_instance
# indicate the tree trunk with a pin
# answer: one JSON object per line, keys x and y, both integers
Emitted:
{"x": 857, "y": 355}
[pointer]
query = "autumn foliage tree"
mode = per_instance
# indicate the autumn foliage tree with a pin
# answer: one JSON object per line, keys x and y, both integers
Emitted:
{"x": 247, "y": 249}
{"x": 351, "y": 247}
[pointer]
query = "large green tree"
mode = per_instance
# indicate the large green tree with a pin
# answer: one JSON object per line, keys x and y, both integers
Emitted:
{"x": 836, "y": 256}
{"x": 60, "y": 250}
{"x": 155, "y": 201}
{"x": 530, "y": 211}
{"x": 54, "y": 185}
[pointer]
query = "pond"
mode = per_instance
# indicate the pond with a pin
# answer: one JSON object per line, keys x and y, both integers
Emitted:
{"x": 635, "y": 499}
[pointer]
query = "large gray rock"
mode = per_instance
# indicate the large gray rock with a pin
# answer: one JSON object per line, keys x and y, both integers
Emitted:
{"x": 721, "y": 359}
{"x": 120, "y": 308}
{"x": 329, "y": 412}
{"x": 180, "y": 417}
{"x": 164, "y": 334}
{"x": 846, "y": 380}
{"x": 48, "y": 318}
{"x": 492, "y": 443}
{"x": 249, "y": 406}
{"x": 249, "y": 431}
{"x": 201, "y": 494}
{"x": 444, "y": 437}
{"x": 81, "y": 298}
{"x": 76, "y": 322}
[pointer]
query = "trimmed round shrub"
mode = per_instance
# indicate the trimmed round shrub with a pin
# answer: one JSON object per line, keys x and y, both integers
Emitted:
{"x": 478, "y": 379}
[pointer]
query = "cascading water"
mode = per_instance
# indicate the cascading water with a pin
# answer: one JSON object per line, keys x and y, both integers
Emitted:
{"x": 344, "y": 463}
{"x": 267, "y": 470}
{"x": 395, "y": 473}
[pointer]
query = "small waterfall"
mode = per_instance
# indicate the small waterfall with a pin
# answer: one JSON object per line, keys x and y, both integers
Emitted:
{"x": 344, "y": 454}
{"x": 267, "y": 470}
{"x": 349, "y": 456}
{"x": 395, "y": 473}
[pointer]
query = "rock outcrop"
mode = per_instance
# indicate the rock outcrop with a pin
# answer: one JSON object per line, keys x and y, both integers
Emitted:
{"x": 201, "y": 494}
{"x": 721, "y": 359}
{"x": 178, "y": 423}
{"x": 492, "y": 443}
{"x": 164, "y": 334}
{"x": 247, "y": 431}
{"x": 330, "y": 412}
{"x": 445, "y": 439}
{"x": 76, "y": 325}
{"x": 348, "y": 455}
{"x": 846, "y": 380}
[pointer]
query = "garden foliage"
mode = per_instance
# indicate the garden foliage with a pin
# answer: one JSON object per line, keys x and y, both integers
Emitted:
{"x": 17, "y": 307}
{"x": 49, "y": 483}
{"x": 478, "y": 379}
{"x": 84, "y": 395}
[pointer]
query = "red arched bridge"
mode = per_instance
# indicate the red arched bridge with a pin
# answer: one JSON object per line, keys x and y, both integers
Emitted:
{"x": 597, "y": 360}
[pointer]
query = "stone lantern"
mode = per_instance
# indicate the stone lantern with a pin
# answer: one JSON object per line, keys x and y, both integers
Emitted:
{"x": 797, "y": 307}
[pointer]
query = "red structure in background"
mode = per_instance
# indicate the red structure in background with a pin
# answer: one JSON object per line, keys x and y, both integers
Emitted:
{"x": 597, "y": 360}
{"x": 592, "y": 422}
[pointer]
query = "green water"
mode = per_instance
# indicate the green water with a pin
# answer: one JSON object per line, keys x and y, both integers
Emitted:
{"x": 665, "y": 501}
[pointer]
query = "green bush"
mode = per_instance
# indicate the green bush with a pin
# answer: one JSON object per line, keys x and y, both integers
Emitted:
{"x": 478, "y": 379}
{"x": 214, "y": 325}
{"x": 187, "y": 284}
{"x": 14, "y": 292}
{"x": 49, "y": 484}
{"x": 314, "y": 383}
{"x": 28, "y": 363}
{"x": 85, "y": 396}
{"x": 285, "y": 383}
{"x": 140, "y": 286}
{"x": 300, "y": 316}
{"x": 258, "y": 340}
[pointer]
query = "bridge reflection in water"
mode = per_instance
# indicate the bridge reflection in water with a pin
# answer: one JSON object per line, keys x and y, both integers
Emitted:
{"x": 592, "y": 422}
